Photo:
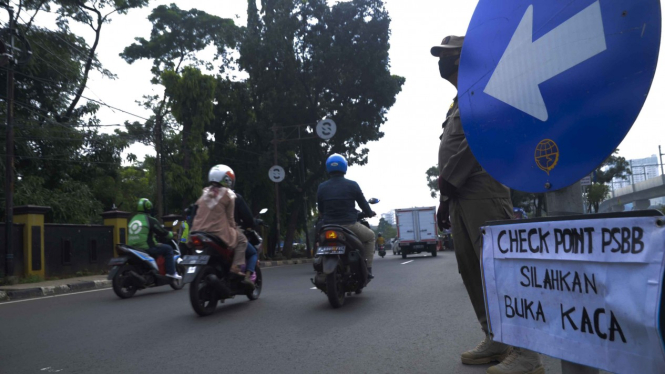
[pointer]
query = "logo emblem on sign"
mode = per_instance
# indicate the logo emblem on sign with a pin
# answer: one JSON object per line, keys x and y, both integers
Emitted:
{"x": 547, "y": 155}
{"x": 135, "y": 227}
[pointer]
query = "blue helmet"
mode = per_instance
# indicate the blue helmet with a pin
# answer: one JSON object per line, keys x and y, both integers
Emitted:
{"x": 336, "y": 162}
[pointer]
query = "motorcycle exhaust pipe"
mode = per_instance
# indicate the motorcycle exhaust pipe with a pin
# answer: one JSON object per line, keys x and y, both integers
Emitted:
{"x": 139, "y": 280}
{"x": 223, "y": 291}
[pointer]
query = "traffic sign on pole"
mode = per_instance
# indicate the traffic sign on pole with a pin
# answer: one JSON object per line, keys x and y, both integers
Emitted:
{"x": 548, "y": 90}
{"x": 276, "y": 174}
{"x": 326, "y": 129}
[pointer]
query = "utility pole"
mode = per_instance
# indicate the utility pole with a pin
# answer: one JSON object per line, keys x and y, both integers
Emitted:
{"x": 9, "y": 164}
{"x": 275, "y": 141}
{"x": 660, "y": 154}
{"x": 565, "y": 202}
{"x": 305, "y": 202}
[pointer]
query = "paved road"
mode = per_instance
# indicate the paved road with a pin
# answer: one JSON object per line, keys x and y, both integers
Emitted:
{"x": 413, "y": 318}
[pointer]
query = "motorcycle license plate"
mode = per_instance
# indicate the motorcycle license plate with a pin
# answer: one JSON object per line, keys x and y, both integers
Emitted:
{"x": 117, "y": 261}
{"x": 332, "y": 250}
{"x": 194, "y": 260}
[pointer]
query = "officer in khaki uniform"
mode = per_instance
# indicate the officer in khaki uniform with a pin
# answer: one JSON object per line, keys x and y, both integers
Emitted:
{"x": 469, "y": 198}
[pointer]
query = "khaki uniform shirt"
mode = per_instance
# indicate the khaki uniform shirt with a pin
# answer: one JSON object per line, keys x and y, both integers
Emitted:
{"x": 459, "y": 167}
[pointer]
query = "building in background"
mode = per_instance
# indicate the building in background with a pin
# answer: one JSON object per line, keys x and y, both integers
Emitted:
{"x": 643, "y": 169}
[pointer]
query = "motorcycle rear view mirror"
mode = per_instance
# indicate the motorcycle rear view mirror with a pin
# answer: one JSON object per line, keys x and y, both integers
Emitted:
{"x": 373, "y": 200}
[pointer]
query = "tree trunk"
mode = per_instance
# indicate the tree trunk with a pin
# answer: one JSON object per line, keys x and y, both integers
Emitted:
{"x": 158, "y": 167}
{"x": 291, "y": 230}
{"x": 186, "y": 152}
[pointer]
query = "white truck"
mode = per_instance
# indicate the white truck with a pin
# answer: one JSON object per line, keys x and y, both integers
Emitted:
{"x": 416, "y": 230}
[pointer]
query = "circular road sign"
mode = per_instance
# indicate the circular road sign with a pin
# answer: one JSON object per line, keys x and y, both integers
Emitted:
{"x": 326, "y": 129}
{"x": 548, "y": 89}
{"x": 276, "y": 174}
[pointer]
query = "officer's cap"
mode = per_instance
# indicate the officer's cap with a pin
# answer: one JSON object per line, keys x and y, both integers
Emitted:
{"x": 448, "y": 43}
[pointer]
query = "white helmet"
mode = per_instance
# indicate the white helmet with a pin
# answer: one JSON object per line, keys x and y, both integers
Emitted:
{"x": 223, "y": 175}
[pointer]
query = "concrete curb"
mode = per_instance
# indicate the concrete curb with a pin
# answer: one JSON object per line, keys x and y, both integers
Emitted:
{"x": 267, "y": 264}
{"x": 31, "y": 293}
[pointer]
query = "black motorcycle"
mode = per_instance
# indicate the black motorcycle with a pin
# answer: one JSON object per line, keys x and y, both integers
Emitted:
{"x": 382, "y": 251}
{"x": 209, "y": 272}
{"x": 339, "y": 263}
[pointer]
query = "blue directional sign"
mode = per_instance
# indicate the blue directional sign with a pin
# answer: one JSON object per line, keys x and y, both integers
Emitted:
{"x": 548, "y": 89}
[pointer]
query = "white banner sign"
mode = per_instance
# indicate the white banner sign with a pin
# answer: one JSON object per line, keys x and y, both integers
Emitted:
{"x": 586, "y": 291}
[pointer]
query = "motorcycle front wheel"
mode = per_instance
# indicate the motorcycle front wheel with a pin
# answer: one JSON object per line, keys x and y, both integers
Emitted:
{"x": 123, "y": 285}
{"x": 178, "y": 284}
{"x": 335, "y": 289}
{"x": 202, "y": 294}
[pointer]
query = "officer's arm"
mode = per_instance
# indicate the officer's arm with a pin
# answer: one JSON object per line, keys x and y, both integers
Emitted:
{"x": 454, "y": 171}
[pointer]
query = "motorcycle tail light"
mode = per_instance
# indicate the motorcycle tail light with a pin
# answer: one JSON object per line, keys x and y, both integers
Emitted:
{"x": 196, "y": 240}
{"x": 331, "y": 235}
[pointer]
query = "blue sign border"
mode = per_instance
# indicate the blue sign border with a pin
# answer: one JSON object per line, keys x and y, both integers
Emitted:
{"x": 591, "y": 106}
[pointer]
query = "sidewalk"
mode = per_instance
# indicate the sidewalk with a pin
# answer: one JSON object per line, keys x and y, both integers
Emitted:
{"x": 54, "y": 287}
{"x": 92, "y": 282}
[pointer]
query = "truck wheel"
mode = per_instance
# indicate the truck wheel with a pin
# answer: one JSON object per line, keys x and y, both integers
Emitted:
{"x": 403, "y": 254}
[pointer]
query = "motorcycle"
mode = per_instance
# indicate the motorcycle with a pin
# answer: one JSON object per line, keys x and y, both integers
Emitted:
{"x": 136, "y": 270}
{"x": 209, "y": 272}
{"x": 339, "y": 262}
{"x": 382, "y": 251}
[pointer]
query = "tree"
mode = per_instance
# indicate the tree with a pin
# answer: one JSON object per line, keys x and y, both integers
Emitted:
{"x": 176, "y": 36}
{"x": 191, "y": 97}
{"x": 307, "y": 61}
{"x": 386, "y": 229}
{"x": 614, "y": 166}
{"x": 433, "y": 181}
{"x": 58, "y": 143}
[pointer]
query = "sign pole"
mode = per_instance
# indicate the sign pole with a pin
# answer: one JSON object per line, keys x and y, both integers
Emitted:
{"x": 660, "y": 155}
{"x": 564, "y": 202}
{"x": 274, "y": 129}
{"x": 9, "y": 164}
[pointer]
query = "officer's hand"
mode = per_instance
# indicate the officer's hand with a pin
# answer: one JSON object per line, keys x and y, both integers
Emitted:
{"x": 443, "y": 215}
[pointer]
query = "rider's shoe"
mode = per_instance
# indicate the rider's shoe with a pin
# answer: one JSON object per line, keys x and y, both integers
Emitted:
{"x": 487, "y": 351}
{"x": 248, "y": 281}
{"x": 174, "y": 276}
{"x": 369, "y": 273}
{"x": 520, "y": 361}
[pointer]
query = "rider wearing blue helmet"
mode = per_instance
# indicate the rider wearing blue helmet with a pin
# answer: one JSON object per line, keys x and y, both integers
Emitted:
{"x": 337, "y": 198}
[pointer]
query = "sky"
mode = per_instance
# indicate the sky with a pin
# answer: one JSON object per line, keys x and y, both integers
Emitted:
{"x": 397, "y": 163}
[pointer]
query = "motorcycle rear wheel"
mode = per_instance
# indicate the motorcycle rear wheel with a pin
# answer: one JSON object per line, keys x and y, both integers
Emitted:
{"x": 335, "y": 289}
{"x": 122, "y": 282}
{"x": 202, "y": 295}
{"x": 257, "y": 285}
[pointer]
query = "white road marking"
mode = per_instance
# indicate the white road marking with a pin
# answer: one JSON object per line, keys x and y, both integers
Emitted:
{"x": 50, "y": 297}
{"x": 406, "y": 262}
{"x": 313, "y": 288}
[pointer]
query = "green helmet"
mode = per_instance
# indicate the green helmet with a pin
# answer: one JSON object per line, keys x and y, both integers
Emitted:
{"x": 144, "y": 205}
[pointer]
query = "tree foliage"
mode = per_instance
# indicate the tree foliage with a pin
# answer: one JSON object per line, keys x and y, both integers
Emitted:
{"x": 613, "y": 167}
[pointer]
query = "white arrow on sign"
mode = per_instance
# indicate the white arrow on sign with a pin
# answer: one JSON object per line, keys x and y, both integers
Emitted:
{"x": 525, "y": 64}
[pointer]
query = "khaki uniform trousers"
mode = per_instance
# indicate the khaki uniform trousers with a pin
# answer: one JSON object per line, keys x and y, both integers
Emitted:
{"x": 467, "y": 217}
{"x": 366, "y": 237}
